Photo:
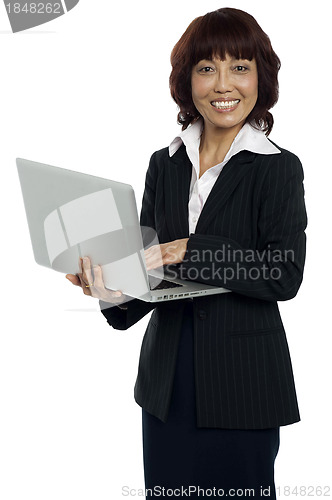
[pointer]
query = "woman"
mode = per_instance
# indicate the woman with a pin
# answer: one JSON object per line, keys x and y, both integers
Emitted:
{"x": 215, "y": 378}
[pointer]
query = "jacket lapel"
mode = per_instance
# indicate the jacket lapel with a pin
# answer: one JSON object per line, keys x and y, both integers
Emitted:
{"x": 230, "y": 176}
{"x": 177, "y": 183}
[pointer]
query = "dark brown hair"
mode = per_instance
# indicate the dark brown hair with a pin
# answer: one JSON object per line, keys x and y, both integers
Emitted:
{"x": 225, "y": 31}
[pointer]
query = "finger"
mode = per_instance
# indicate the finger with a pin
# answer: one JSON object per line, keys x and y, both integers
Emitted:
{"x": 98, "y": 278}
{"x": 85, "y": 288}
{"x": 153, "y": 265}
{"x": 74, "y": 279}
{"x": 100, "y": 291}
{"x": 80, "y": 263}
{"x": 98, "y": 288}
{"x": 87, "y": 271}
{"x": 151, "y": 248}
{"x": 154, "y": 258}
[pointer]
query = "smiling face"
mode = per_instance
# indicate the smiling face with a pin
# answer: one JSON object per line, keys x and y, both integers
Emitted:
{"x": 224, "y": 92}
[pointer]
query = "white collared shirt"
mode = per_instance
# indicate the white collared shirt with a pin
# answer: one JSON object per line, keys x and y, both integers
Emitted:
{"x": 248, "y": 138}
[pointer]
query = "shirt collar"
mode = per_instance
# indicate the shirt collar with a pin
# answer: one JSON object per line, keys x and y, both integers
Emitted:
{"x": 248, "y": 138}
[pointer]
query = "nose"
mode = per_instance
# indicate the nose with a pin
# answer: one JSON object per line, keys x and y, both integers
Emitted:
{"x": 223, "y": 81}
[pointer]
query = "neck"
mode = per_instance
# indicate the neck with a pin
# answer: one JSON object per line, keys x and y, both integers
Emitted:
{"x": 216, "y": 141}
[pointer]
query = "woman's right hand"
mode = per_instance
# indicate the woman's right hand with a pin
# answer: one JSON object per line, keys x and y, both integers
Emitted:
{"x": 90, "y": 279}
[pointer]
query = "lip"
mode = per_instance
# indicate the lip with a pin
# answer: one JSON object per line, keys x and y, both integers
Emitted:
{"x": 223, "y": 99}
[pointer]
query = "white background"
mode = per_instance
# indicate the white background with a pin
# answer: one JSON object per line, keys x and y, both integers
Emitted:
{"x": 89, "y": 92}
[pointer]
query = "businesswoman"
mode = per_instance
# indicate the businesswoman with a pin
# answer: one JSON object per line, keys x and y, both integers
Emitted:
{"x": 215, "y": 378}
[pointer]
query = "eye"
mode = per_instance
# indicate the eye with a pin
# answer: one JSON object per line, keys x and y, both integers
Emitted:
{"x": 206, "y": 69}
{"x": 241, "y": 69}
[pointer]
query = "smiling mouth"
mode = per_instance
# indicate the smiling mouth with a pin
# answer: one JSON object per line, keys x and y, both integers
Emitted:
{"x": 225, "y": 104}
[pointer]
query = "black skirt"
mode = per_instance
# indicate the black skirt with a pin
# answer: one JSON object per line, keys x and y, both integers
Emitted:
{"x": 182, "y": 460}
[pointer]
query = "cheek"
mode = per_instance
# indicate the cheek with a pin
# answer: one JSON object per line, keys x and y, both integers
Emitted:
{"x": 253, "y": 88}
{"x": 198, "y": 88}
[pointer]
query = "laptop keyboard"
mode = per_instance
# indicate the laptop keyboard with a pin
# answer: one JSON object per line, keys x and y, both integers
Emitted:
{"x": 156, "y": 284}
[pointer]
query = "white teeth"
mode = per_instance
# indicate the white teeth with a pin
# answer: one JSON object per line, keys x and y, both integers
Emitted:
{"x": 225, "y": 104}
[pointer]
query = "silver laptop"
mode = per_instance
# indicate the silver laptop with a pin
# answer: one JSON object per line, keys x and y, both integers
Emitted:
{"x": 72, "y": 215}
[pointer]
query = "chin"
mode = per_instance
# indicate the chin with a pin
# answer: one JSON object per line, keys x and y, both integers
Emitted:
{"x": 228, "y": 124}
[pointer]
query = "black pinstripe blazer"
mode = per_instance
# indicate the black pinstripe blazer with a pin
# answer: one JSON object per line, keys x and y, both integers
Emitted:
{"x": 250, "y": 239}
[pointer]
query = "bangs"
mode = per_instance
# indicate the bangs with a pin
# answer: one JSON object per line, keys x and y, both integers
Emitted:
{"x": 218, "y": 35}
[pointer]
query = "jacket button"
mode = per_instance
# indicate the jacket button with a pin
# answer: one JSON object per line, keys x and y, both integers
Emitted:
{"x": 202, "y": 314}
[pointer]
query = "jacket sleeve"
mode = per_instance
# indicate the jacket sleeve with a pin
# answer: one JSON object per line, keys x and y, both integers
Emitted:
{"x": 273, "y": 270}
{"x": 122, "y": 319}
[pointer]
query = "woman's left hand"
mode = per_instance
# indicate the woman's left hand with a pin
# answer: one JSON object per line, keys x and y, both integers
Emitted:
{"x": 166, "y": 253}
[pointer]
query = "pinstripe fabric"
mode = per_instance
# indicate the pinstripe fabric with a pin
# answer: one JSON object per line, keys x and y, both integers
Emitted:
{"x": 243, "y": 370}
